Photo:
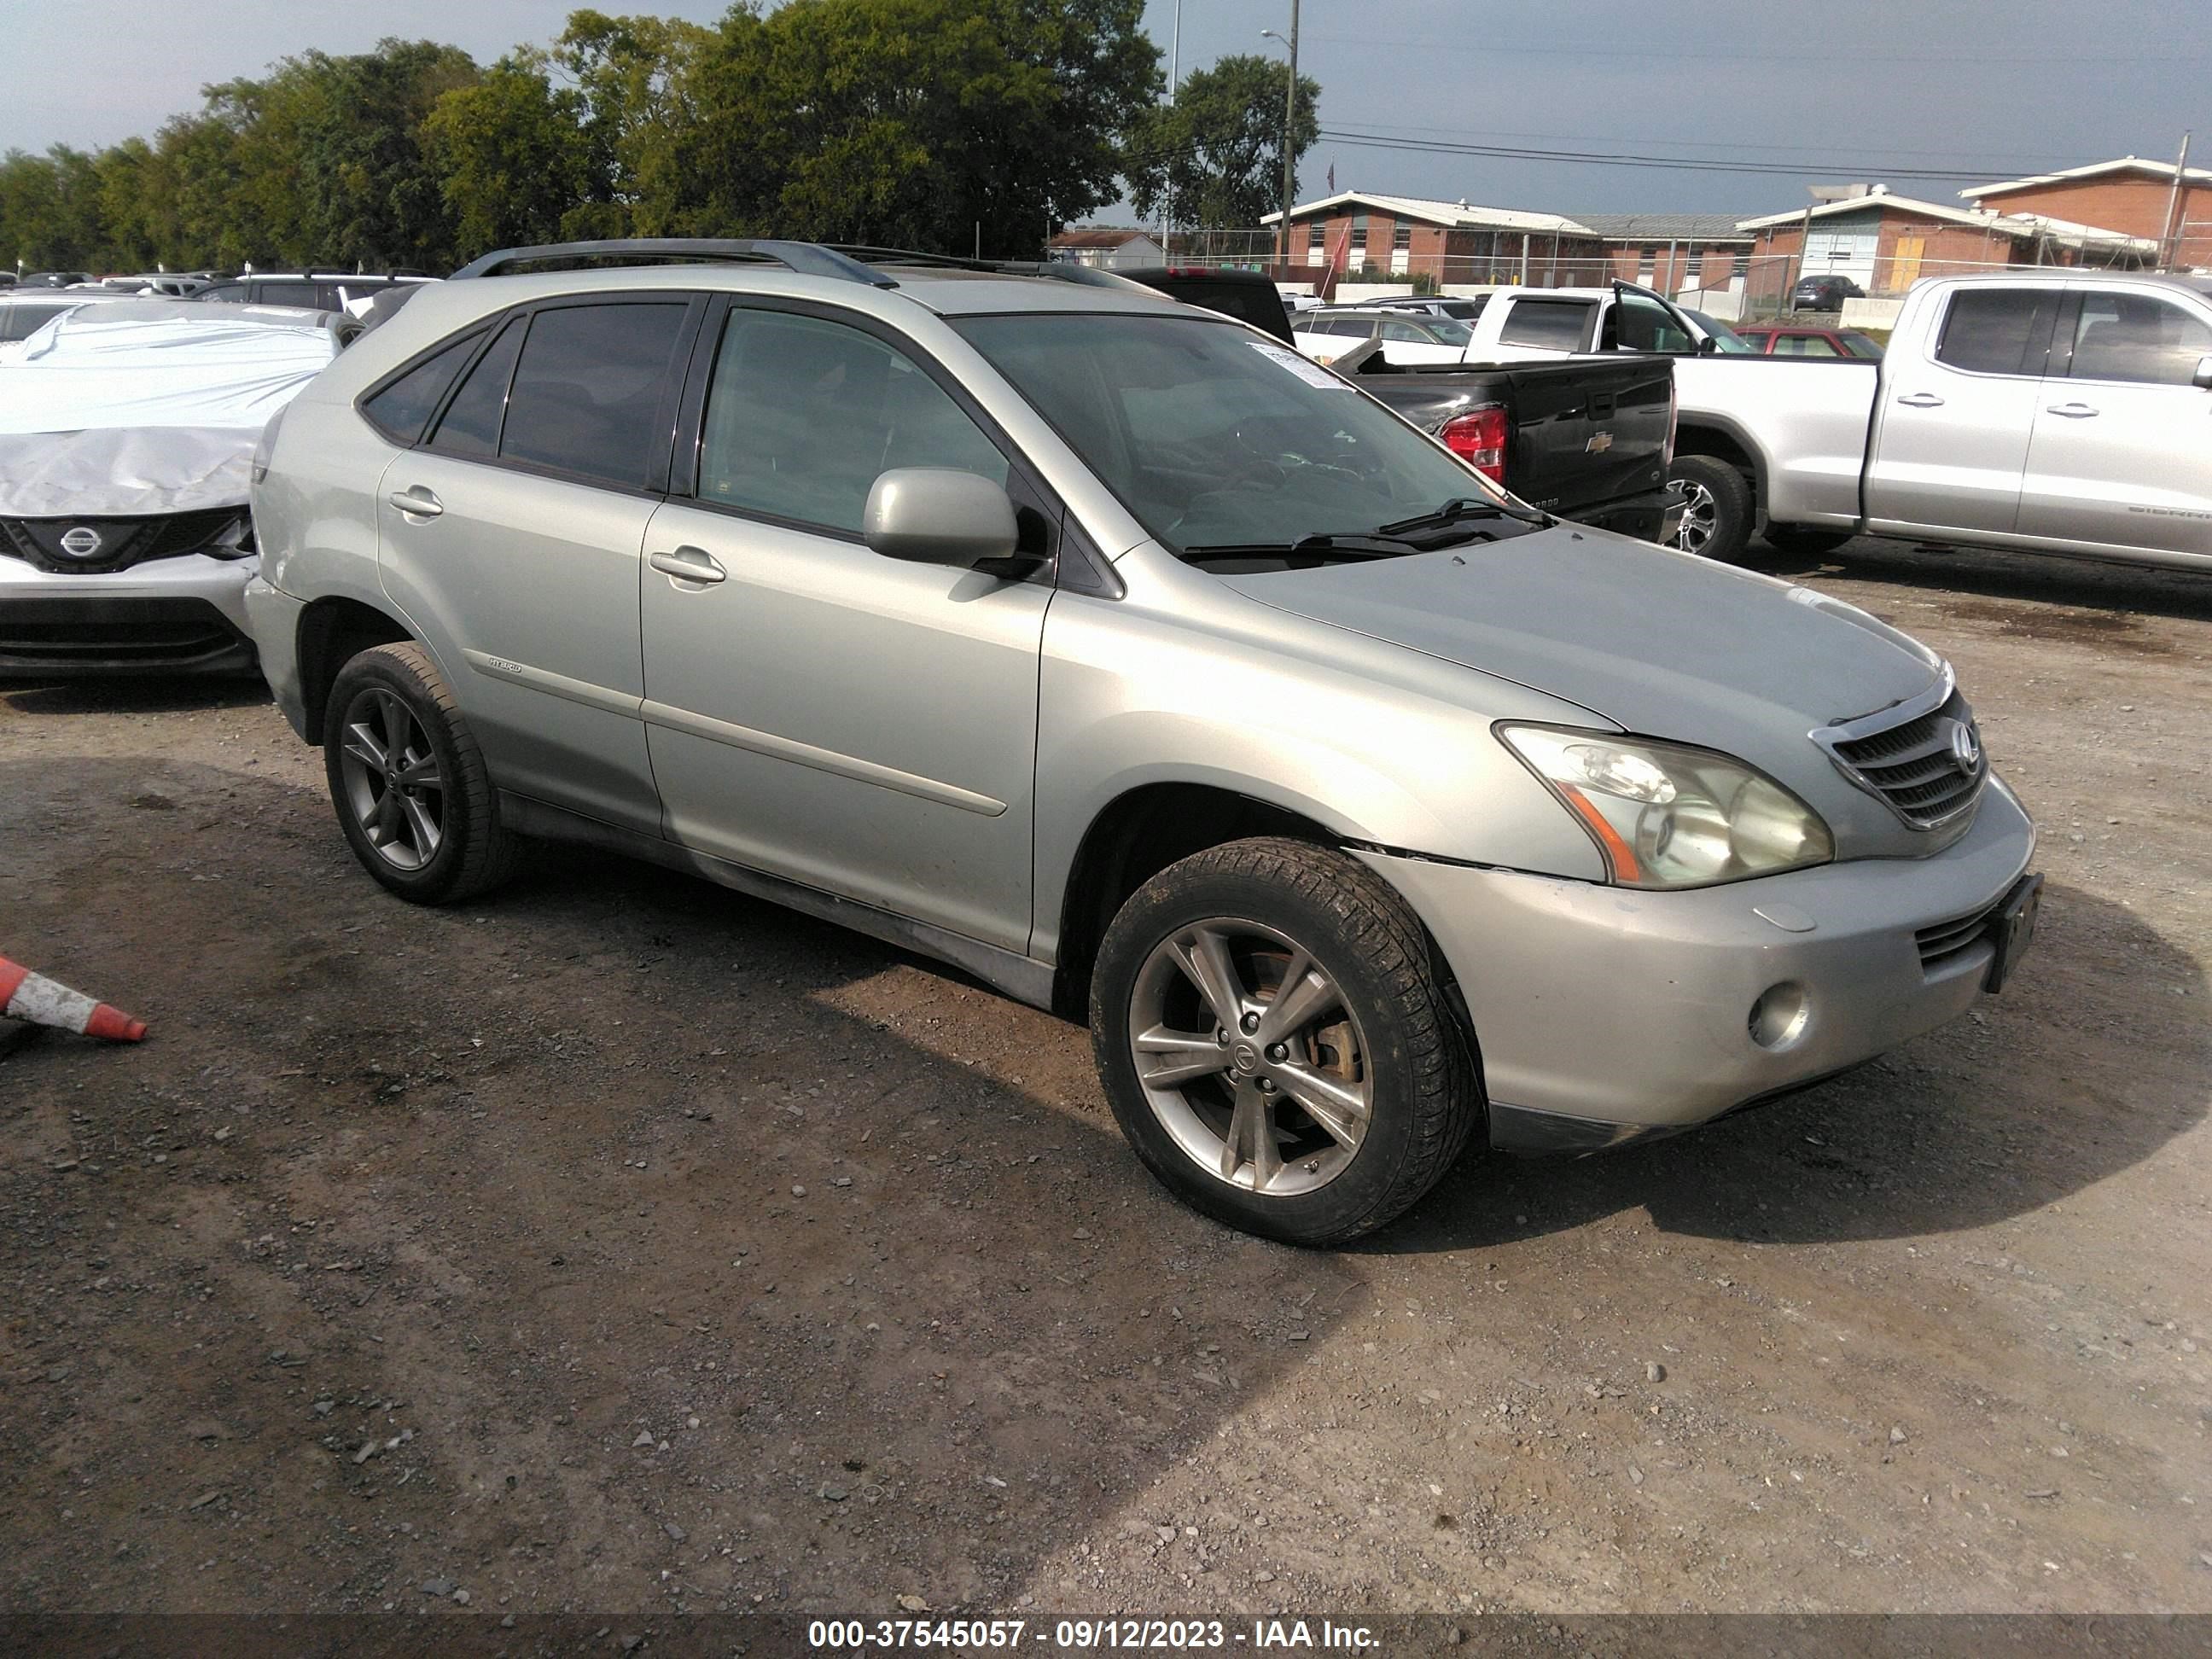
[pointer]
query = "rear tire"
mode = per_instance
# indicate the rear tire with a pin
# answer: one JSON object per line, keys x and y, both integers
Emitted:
{"x": 1312, "y": 1130}
{"x": 408, "y": 782}
{"x": 1717, "y": 521}
{"x": 1804, "y": 539}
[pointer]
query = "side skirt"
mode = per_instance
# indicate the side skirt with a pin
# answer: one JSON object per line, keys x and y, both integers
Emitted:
{"x": 1023, "y": 978}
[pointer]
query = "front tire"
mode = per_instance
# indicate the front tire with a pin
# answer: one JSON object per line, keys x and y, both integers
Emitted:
{"x": 1276, "y": 1044}
{"x": 1717, "y": 511}
{"x": 408, "y": 782}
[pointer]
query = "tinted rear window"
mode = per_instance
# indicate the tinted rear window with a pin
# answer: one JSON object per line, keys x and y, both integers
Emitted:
{"x": 401, "y": 409}
{"x": 589, "y": 388}
{"x": 1257, "y": 303}
{"x": 1997, "y": 331}
{"x": 1557, "y": 324}
{"x": 470, "y": 423}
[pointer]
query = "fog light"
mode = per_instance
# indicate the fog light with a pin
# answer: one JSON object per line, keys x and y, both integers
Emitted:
{"x": 1778, "y": 1018}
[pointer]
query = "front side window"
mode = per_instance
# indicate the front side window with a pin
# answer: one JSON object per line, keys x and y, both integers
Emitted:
{"x": 1215, "y": 440}
{"x": 589, "y": 388}
{"x": 1804, "y": 345}
{"x": 804, "y": 415}
{"x": 1647, "y": 325}
{"x": 1860, "y": 345}
{"x": 309, "y": 294}
{"x": 1997, "y": 331}
{"x": 2137, "y": 336}
{"x": 400, "y": 410}
{"x": 1554, "y": 325}
{"x": 234, "y": 294}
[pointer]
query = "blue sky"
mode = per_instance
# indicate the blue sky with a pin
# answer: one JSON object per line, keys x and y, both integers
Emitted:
{"x": 1837, "y": 90}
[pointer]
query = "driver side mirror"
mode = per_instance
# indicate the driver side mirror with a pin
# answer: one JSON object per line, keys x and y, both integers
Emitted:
{"x": 2202, "y": 377}
{"x": 937, "y": 515}
{"x": 1708, "y": 346}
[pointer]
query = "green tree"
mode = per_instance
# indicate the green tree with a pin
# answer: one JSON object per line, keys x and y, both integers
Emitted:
{"x": 633, "y": 80}
{"x": 930, "y": 123}
{"x": 1213, "y": 159}
{"x": 512, "y": 157}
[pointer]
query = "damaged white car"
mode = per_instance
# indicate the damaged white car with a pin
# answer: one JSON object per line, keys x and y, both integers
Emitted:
{"x": 127, "y": 434}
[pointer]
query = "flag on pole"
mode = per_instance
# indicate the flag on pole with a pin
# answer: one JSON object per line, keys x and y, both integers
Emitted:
{"x": 1332, "y": 178}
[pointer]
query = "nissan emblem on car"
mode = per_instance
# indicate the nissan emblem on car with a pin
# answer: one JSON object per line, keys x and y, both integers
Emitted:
{"x": 81, "y": 541}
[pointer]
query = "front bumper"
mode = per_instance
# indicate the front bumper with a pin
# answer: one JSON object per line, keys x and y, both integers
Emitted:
{"x": 275, "y": 617}
{"x": 1603, "y": 1013}
{"x": 184, "y": 614}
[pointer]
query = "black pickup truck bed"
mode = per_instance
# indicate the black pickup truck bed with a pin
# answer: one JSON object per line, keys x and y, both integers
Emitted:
{"x": 1586, "y": 439}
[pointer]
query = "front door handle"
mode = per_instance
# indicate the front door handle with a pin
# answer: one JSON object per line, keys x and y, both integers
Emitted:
{"x": 1921, "y": 400}
{"x": 418, "y": 502}
{"x": 2073, "y": 411}
{"x": 688, "y": 564}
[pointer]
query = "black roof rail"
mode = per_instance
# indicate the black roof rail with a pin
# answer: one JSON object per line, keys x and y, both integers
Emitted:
{"x": 1058, "y": 269}
{"x": 806, "y": 258}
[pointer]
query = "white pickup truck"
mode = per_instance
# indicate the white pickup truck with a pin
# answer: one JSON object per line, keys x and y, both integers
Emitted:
{"x": 2045, "y": 410}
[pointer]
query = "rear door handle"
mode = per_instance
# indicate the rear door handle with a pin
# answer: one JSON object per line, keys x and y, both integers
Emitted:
{"x": 2073, "y": 411}
{"x": 1921, "y": 400}
{"x": 688, "y": 564}
{"x": 418, "y": 502}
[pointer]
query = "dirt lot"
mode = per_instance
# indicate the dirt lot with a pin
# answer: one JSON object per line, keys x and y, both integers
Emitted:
{"x": 620, "y": 1244}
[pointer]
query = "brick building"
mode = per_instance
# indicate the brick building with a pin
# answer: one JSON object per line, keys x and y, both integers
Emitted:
{"x": 1884, "y": 242}
{"x": 1674, "y": 253}
{"x": 1405, "y": 236}
{"x": 2138, "y": 197}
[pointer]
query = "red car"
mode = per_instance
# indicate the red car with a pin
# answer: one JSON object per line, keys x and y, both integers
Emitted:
{"x": 1782, "y": 340}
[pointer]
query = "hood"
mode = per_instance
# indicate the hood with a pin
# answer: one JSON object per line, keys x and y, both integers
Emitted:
{"x": 122, "y": 473}
{"x": 1659, "y": 643}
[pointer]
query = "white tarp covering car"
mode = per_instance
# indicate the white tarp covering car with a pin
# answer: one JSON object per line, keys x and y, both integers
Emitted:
{"x": 127, "y": 439}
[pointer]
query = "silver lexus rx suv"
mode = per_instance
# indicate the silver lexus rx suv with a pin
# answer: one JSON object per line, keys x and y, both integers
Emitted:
{"x": 1113, "y": 651}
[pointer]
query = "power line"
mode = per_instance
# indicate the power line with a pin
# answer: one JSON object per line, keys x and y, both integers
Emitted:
{"x": 2014, "y": 165}
{"x": 1720, "y": 54}
{"x": 1621, "y": 159}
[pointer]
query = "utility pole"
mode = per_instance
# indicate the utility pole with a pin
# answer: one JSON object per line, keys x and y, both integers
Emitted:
{"x": 2169, "y": 240}
{"x": 1290, "y": 125}
{"x": 1174, "y": 80}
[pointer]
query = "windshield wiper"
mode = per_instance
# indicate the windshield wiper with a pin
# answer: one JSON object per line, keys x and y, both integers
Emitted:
{"x": 1464, "y": 507}
{"x": 1319, "y": 545}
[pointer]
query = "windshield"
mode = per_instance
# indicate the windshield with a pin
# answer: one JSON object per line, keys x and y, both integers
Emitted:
{"x": 1213, "y": 438}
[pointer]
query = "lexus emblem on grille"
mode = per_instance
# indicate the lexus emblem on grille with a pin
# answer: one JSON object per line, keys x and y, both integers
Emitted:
{"x": 1966, "y": 748}
{"x": 81, "y": 541}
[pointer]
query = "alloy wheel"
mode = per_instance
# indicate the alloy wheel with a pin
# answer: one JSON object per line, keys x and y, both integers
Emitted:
{"x": 1250, "y": 1058}
{"x": 1700, "y": 514}
{"x": 393, "y": 784}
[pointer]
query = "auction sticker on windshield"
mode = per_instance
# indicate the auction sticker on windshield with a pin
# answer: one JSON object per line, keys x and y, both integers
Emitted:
{"x": 1311, "y": 373}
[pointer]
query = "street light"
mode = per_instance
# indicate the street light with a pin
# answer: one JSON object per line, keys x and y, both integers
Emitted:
{"x": 1290, "y": 119}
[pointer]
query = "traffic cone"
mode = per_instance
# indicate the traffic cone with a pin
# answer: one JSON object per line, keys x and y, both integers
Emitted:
{"x": 42, "y": 1001}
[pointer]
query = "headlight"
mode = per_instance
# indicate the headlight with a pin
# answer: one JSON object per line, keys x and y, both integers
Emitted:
{"x": 1667, "y": 816}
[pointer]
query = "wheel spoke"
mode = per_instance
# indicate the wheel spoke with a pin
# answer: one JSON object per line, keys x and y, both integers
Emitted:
{"x": 424, "y": 826}
{"x": 1204, "y": 956}
{"x": 1167, "y": 1058}
{"x": 422, "y": 773}
{"x": 384, "y": 826}
{"x": 361, "y": 743}
{"x": 1339, "y": 1108}
{"x": 1251, "y": 1138}
{"x": 1306, "y": 992}
{"x": 399, "y": 729}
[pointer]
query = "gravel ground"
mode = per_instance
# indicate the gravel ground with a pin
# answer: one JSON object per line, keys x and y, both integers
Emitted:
{"x": 617, "y": 1243}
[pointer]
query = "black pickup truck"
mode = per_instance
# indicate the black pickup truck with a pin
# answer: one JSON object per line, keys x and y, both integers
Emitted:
{"x": 1589, "y": 439}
